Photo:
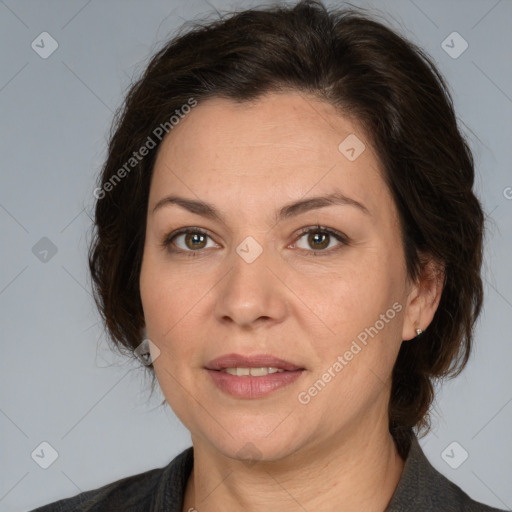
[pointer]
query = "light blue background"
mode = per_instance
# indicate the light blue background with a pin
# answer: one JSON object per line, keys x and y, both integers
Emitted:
{"x": 59, "y": 381}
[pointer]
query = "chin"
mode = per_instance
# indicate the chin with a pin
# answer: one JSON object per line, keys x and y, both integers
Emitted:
{"x": 267, "y": 440}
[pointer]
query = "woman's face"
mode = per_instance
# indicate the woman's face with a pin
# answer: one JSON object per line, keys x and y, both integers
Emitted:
{"x": 253, "y": 283}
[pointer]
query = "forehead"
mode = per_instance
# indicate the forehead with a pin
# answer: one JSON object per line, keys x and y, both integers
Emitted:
{"x": 290, "y": 123}
{"x": 283, "y": 144}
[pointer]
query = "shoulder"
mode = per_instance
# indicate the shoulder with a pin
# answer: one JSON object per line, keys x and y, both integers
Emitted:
{"x": 422, "y": 487}
{"x": 443, "y": 494}
{"x": 145, "y": 491}
{"x": 132, "y": 492}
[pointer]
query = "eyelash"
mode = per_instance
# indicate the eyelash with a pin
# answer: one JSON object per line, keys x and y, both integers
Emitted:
{"x": 313, "y": 229}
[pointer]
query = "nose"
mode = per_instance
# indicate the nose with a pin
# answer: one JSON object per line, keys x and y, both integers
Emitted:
{"x": 251, "y": 293}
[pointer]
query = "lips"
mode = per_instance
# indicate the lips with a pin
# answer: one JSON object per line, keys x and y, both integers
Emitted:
{"x": 252, "y": 386}
{"x": 257, "y": 361}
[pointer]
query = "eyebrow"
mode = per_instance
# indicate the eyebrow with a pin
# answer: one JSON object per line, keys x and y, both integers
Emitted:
{"x": 290, "y": 210}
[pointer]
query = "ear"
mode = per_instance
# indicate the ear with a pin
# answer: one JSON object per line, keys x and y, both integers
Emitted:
{"x": 423, "y": 298}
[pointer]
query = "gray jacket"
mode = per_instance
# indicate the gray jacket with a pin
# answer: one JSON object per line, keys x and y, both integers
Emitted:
{"x": 421, "y": 489}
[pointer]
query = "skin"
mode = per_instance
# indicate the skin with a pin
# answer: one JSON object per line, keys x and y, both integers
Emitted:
{"x": 298, "y": 300}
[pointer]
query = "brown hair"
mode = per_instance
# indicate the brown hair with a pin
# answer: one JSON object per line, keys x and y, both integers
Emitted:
{"x": 371, "y": 73}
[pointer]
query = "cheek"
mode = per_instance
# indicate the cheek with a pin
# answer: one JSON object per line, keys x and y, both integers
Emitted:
{"x": 164, "y": 291}
{"x": 174, "y": 303}
{"x": 352, "y": 297}
{"x": 363, "y": 308}
{"x": 162, "y": 298}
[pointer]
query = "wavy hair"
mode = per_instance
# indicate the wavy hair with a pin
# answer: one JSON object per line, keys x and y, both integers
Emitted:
{"x": 356, "y": 63}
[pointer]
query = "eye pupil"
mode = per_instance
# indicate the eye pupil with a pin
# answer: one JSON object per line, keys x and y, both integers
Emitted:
{"x": 194, "y": 237}
{"x": 318, "y": 238}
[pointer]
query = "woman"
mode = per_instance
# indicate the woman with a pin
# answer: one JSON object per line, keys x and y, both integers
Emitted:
{"x": 286, "y": 222}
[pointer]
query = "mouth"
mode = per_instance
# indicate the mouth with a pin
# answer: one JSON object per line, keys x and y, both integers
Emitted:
{"x": 255, "y": 366}
{"x": 252, "y": 376}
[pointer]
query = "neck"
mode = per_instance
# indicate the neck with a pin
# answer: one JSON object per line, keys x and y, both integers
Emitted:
{"x": 351, "y": 473}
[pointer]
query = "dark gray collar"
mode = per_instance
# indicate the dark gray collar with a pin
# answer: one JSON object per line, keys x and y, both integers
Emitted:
{"x": 423, "y": 488}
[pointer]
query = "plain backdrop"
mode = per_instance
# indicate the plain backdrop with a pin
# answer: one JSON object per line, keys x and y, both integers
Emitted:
{"x": 60, "y": 383}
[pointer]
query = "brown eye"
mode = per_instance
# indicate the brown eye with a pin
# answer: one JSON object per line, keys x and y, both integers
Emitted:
{"x": 319, "y": 239}
{"x": 195, "y": 240}
{"x": 186, "y": 240}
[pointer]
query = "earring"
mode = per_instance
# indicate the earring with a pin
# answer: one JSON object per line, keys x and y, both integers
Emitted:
{"x": 418, "y": 332}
